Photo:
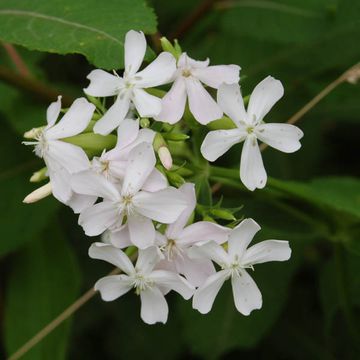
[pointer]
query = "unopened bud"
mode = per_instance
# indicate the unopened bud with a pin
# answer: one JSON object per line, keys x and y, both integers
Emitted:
{"x": 39, "y": 175}
{"x": 173, "y": 49}
{"x": 222, "y": 214}
{"x": 175, "y": 136}
{"x": 38, "y": 194}
{"x": 33, "y": 133}
{"x": 144, "y": 122}
{"x": 175, "y": 179}
{"x": 208, "y": 218}
{"x": 165, "y": 157}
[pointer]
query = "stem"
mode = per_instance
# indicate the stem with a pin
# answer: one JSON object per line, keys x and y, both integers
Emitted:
{"x": 17, "y": 60}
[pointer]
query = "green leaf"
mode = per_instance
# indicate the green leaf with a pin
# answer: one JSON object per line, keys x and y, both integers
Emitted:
{"x": 92, "y": 28}
{"x": 19, "y": 222}
{"x": 44, "y": 280}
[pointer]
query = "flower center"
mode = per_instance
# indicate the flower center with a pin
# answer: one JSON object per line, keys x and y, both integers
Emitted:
{"x": 250, "y": 129}
{"x": 172, "y": 250}
{"x": 127, "y": 205}
{"x": 141, "y": 283}
{"x": 186, "y": 73}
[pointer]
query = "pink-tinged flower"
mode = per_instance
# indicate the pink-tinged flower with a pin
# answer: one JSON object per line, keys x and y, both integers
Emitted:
{"x": 188, "y": 84}
{"x": 62, "y": 158}
{"x": 178, "y": 238}
{"x": 129, "y": 89}
{"x": 147, "y": 282}
{"x": 234, "y": 264}
{"x": 249, "y": 128}
{"x": 128, "y": 202}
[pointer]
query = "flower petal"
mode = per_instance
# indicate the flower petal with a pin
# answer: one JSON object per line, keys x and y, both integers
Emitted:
{"x": 214, "y": 76}
{"x": 173, "y": 103}
{"x": 205, "y": 295}
{"x": 164, "y": 205}
{"x": 252, "y": 171}
{"x": 103, "y": 84}
{"x": 156, "y": 181}
{"x": 79, "y": 202}
{"x": 283, "y": 137}
{"x": 74, "y": 122}
{"x": 141, "y": 163}
{"x": 174, "y": 229}
{"x": 114, "y": 116}
{"x": 218, "y": 142}
{"x": 53, "y": 111}
{"x": 230, "y": 100}
{"x": 111, "y": 255}
{"x": 135, "y": 48}
{"x": 60, "y": 181}
{"x": 154, "y": 307}
{"x": 159, "y": 72}
{"x": 99, "y": 217}
{"x": 265, "y": 251}
{"x": 210, "y": 250}
{"x": 263, "y": 98}
{"x": 71, "y": 157}
{"x": 120, "y": 238}
{"x": 112, "y": 287}
{"x": 241, "y": 236}
{"x": 186, "y": 61}
{"x": 203, "y": 231}
{"x": 174, "y": 282}
{"x": 90, "y": 183}
{"x": 147, "y": 260}
{"x": 147, "y": 105}
{"x": 201, "y": 104}
{"x": 247, "y": 296}
{"x": 141, "y": 230}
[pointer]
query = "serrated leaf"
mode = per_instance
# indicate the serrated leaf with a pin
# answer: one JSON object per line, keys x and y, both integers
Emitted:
{"x": 43, "y": 281}
{"x": 92, "y": 28}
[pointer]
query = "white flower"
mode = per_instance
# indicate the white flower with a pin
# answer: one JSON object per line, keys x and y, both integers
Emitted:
{"x": 250, "y": 127}
{"x": 188, "y": 84}
{"x": 62, "y": 158}
{"x": 247, "y": 296}
{"x": 128, "y": 201}
{"x": 130, "y": 88}
{"x": 147, "y": 282}
{"x": 178, "y": 238}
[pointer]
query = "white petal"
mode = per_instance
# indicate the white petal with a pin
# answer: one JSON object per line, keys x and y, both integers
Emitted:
{"x": 186, "y": 61}
{"x": 173, "y": 103}
{"x": 174, "y": 229}
{"x": 159, "y": 72}
{"x": 265, "y": 251}
{"x": 74, "y": 122}
{"x": 214, "y": 76}
{"x": 79, "y": 202}
{"x": 197, "y": 271}
{"x": 263, "y": 98}
{"x": 154, "y": 307}
{"x": 247, "y": 296}
{"x": 230, "y": 100}
{"x": 201, "y": 104}
{"x": 98, "y": 218}
{"x": 218, "y": 142}
{"x": 284, "y": 137}
{"x": 164, "y": 205}
{"x": 71, "y": 157}
{"x": 147, "y": 105}
{"x": 112, "y": 287}
{"x": 252, "y": 171}
{"x": 53, "y": 111}
{"x": 103, "y": 84}
{"x": 241, "y": 236}
{"x": 114, "y": 116}
{"x": 210, "y": 250}
{"x": 111, "y": 255}
{"x": 135, "y": 48}
{"x": 120, "y": 238}
{"x": 60, "y": 181}
{"x": 141, "y": 163}
{"x": 203, "y": 231}
{"x": 205, "y": 295}
{"x": 156, "y": 181}
{"x": 141, "y": 230}
{"x": 90, "y": 183}
{"x": 147, "y": 260}
{"x": 174, "y": 282}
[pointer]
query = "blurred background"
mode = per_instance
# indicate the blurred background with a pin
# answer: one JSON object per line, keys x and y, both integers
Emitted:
{"x": 311, "y": 303}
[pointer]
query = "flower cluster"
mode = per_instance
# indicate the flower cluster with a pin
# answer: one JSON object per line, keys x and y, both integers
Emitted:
{"x": 113, "y": 165}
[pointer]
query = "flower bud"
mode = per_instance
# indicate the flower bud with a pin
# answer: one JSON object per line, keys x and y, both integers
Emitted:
{"x": 175, "y": 136}
{"x": 144, "y": 122}
{"x": 32, "y": 134}
{"x": 222, "y": 214}
{"x": 38, "y": 194}
{"x": 175, "y": 49}
{"x": 175, "y": 179}
{"x": 39, "y": 175}
{"x": 165, "y": 157}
